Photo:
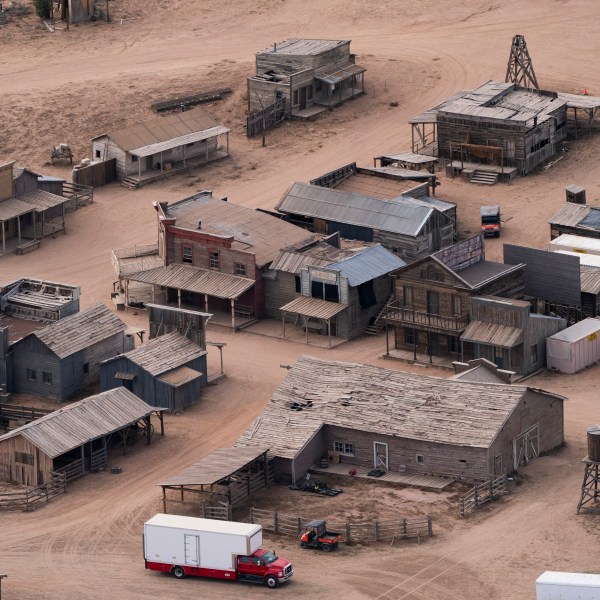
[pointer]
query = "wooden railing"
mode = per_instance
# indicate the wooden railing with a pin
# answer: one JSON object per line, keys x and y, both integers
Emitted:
{"x": 79, "y": 195}
{"x": 73, "y": 470}
{"x": 30, "y": 499}
{"x": 482, "y": 493}
{"x": 374, "y": 531}
{"x": 22, "y": 413}
{"x": 332, "y": 178}
{"x": 395, "y": 313}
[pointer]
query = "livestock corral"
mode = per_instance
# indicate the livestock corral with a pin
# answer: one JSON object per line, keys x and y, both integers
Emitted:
{"x": 406, "y": 537}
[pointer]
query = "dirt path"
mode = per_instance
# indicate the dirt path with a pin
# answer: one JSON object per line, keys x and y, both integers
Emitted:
{"x": 94, "y": 77}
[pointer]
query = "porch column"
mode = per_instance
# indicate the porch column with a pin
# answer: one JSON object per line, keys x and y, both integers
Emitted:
{"x": 161, "y": 161}
{"x": 283, "y": 318}
{"x": 510, "y": 359}
{"x": 3, "y": 240}
{"x": 232, "y": 314}
{"x": 462, "y": 351}
{"x": 148, "y": 421}
{"x": 206, "y": 142}
{"x": 429, "y": 346}
{"x": 127, "y": 292}
{"x": 153, "y": 294}
{"x": 575, "y": 108}
{"x": 178, "y": 298}
{"x": 183, "y": 156}
{"x": 139, "y": 167}
{"x": 387, "y": 340}
{"x": 306, "y": 328}
{"x": 205, "y": 302}
{"x": 329, "y": 331}
{"x": 64, "y": 219}
{"x": 19, "y": 226}
{"x": 227, "y": 134}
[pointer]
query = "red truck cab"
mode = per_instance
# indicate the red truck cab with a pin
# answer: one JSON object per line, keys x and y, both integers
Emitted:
{"x": 264, "y": 566}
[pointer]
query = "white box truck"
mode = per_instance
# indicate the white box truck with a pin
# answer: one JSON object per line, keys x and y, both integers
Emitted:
{"x": 553, "y": 585}
{"x": 210, "y": 548}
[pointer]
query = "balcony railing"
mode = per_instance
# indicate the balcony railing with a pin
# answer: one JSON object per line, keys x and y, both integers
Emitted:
{"x": 401, "y": 315}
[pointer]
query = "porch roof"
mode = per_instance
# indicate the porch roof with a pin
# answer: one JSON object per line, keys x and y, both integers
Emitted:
{"x": 314, "y": 307}
{"x": 182, "y": 140}
{"x": 492, "y": 334}
{"x": 340, "y": 74}
{"x": 13, "y": 208}
{"x": 42, "y": 200}
{"x": 180, "y": 376}
{"x": 194, "y": 279}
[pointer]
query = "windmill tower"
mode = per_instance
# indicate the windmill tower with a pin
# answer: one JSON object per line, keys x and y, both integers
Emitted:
{"x": 520, "y": 68}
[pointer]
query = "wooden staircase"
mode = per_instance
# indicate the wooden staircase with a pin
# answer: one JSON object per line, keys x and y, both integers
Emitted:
{"x": 130, "y": 184}
{"x": 376, "y": 327}
{"x": 484, "y": 177}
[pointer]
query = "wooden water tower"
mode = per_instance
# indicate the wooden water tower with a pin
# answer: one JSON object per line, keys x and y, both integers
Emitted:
{"x": 575, "y": 194}
{"x": 591, "y": 475}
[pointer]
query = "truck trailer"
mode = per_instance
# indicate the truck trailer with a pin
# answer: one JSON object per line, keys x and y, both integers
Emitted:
{"x": 209, "y": 548}
{"x": 553, "y": 585}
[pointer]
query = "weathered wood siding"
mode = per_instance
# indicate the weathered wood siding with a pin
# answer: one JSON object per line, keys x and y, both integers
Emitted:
{"x": 6, "y": 181}
{"x": 25, "y": 183}
{"x": 313, "y": 450}
{"x": 30, "y": 353}
{"x": 278, "y": 292}
{"x": 33, "y": 475}
{"x": 263, "y": 93}
{"x": 291, "y": 63}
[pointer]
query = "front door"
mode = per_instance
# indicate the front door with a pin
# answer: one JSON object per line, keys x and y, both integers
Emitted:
{"x": 499, "y": 357}
{"x": 380, "y": 455}
{"x": 192, "y": 550}
{"x": 302, "y": 98}
{"x": 526, "y": 447}
{"x": 433, "y": 303}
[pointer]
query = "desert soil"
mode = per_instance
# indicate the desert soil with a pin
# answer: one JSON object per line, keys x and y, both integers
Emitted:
{"x": 73, "y": 85}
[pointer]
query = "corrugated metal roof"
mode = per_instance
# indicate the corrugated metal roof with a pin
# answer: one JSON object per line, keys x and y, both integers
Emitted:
{"x": 84, "y": 421}
{"x": 590, "y": 279}
{"x": 79, "y": 331}
{"x": 253, "y": 231}
{"x": 367, "y": 265}
{"x": 578, "y": 331}
{"x": 162, "y": 129}
{"x": 303, "y": 47}
{"x": 381, "y": 401}
{"x": 182, "y": 140}
{"x": 218, "y": 465}
{"x": 492, "y": 334}
{"x": 429, "y": 202}
{"x": 483, "y": 271}
{"x": 42, "y": 200}
{"x": 570, "y": 214}
{"x": 578, "y": 101}
{"x": 180, "y": 376}
{"x": 194, "y": 279}
{"x": 339, "y": 74}
{"x": 332, "y": 205}
{"x": 163, "y": 353}
{"x": 13, "y": 208}
{"x": 314, "y": 307}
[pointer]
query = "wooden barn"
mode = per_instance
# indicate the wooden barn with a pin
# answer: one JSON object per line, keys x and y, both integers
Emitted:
{"x": 305, "y": 73}
{"x": 161, "y": 146}
{"x": 403, "y": 423}
{"x": 430, "y": 309}
{"x": 499, "y": 128}
{"x": 167, "y": 371}
{"x": 410, "y": 229}
{"x": 75, "y": 439}
{"x": 576, "y": 219}
{"x": 331, "y": 286}
{"x": 63, "y": 358}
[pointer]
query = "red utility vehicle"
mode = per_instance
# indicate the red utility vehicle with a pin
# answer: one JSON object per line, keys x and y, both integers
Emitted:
{"x": 317, "y": 536}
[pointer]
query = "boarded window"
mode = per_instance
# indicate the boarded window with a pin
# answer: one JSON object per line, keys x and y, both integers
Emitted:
{"x": 47, "y": 377}
{"x": 407, "y": 292}
{"x": 134, "y": 158}
{"x": 298, "y": 284}
{"x": 187, "y": 255}
{"x": 24, "y": 458}
{"x": 240, "y": 269}
{"x": 366, "y": 294}
{"x": 31, "y": 375}
{"x": 213, "y": 260}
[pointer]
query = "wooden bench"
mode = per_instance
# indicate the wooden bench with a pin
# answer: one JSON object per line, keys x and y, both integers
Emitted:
{"x": 28, "y": 246}
{"x": 245, "y": 312}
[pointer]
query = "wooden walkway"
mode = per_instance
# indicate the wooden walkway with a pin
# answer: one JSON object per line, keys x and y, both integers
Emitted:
{"x": 426, "y": 482}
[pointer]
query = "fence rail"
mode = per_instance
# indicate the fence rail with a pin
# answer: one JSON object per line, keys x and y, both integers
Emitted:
{"x": 22, "y": 413}
{"x": 266, "y": 118}
{"x": 78, "y": 195}
{"x": 374, "y": 531}
{"x": 29, "y": 499}
{"x": 73, "y": 470}
{"x": 482, "y": 493}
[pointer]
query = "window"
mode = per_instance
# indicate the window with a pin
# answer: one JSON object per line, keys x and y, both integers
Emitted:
{"x": 134, "y": 158}
{"x": 366, "y": 294}
{"x": 344, "y": 448}
{"x": 31, "y": 375}
{"x": 24, "y": 458}
{"x": 298, "y": 284}
{"x": 240, "y": 269}
{"x": 86, "y": 367}
{"x": 47, "y": 377}
{"x": 420, "y": 458}
{"x": 98, "y": 154}
{"x": 534, "y": 354}
{"x": 407, "y": 293}
{"x": 187, "y": 254}
{"x": 325, "y": 291}
{"x": 213, "y": 260}
{"x": 456, "y": 305}
{"x": 411, "y": 337}
{"x": 453, "y": 344}
{"x": 245, "y": 560}
{"x": 295, "y": 98}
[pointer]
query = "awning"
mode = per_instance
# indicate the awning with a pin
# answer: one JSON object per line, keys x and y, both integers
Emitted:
{"x": 180, "y": 376}
{"x": 124, "y": 376}
{"x": 333, "y": 77}
{"x": 492, "y": 334}
{"x": 314, "y": 307}
{"x": 42, "y": 200}
{"x": 13, "y": 208}
{"x": 188, "y": 138}
{"x": 194, "y": 279}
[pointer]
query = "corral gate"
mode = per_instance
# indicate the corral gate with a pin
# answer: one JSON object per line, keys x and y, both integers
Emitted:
{"x": 266, "y": 118}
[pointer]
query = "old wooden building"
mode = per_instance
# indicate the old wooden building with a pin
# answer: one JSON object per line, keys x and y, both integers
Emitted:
{"x": 167, "y": 371}
{"x": 409, "y": 228}
{"x": 498, "y": 128}
{"x": 62, "y": 359}
{"x": 399, "y": 422}
{"x": 430, "y": 310}
{"x": 305, "y": 73}
{"x": 161, "y": 146}
{"x": 215, "y": 255}
{"x": 75, "y": 439}
{"x": 576, "y": 219}
{"x": 330, "y": 286}
{"x": 505, "y": 332}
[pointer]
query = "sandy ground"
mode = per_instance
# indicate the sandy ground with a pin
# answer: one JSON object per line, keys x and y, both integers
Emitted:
{"x": 70, "y": 86}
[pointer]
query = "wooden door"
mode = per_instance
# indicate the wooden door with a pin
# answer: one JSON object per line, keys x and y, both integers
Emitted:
{"x": 302, "y": 98}
{"x": 380, "y": 455}
{"x": 433, "y": 303}
{"x": 526, "y": 447}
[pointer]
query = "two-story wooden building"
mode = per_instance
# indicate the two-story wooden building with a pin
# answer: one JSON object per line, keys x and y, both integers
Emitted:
{"x": 305, "y": 72}
{"x": 431, "y": 306}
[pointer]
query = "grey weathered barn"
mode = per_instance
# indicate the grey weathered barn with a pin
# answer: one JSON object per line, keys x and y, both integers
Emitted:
{"x": 167, "y": 371}
{"x": 75, "y": 439}
{"x": 63, "y": 358}
{"x": 380, "y": 418}
{"x": 405, "y": 226}
{"x": 305, "y": 73}
{"x": 161, "y": 146}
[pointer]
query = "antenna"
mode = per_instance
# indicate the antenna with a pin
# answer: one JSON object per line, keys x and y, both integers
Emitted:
{"x": 520, "y": 67}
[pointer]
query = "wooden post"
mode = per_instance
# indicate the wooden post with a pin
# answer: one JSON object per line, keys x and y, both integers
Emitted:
{"x": 329, "y": 331}
{"x": 276, "y": 522}
{"x": 377, "y": 531}
{"x": 232, "y": 314}
{"x": 387, "y": 341}
{"x": 148, "y": 421}
{"x": 405, "y": 528}
{"x": 107, "y": 15}
{"x": 3, "y": 240}
{"x": 179, "y": 298}
{"x": 430, "y": 526}
{"x": 19, "y": 226}
{"x": 283, "y": 318}
{"x": 252, "y": 515}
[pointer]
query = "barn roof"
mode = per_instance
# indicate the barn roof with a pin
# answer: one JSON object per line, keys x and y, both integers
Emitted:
{"x": 303, "y": 47}
{"x": 84, "y": 421}
{"x": 163, "y": 353}
{"x": 79, "y": 331}
{"x": 42, "y": 200}
{"x": 354, "y": 209}
{"x": 381, "y": 401}
{"x": 571, "y": 215}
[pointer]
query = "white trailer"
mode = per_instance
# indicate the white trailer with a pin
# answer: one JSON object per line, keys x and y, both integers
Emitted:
{"x": 575, "y": 243}
{"x": 574, "y": 348}
{"x": 553, "y": 585}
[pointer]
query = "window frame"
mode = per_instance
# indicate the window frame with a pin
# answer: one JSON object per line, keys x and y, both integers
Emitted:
{"x": 31, "y": 374}
{"x": 344, "y": 448}
{"x": 420, "y": 458}
{"x": 187, "y": 255}
{"x": 239, "y": 269}
{"x": 213, "y": 257}
{"x": 408, "y": 298}
{"x": 47, "y": 377}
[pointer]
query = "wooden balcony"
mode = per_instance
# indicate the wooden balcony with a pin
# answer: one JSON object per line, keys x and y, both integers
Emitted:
{"x": 408, "y": 317}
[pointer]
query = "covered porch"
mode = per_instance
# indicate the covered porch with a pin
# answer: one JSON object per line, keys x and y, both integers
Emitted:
{"x": 500, "y": 344}
{"x": 15, "y": 215}
{"x": 335, "y": 87}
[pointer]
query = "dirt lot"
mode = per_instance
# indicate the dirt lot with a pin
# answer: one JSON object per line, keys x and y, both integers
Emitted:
{"x": 70, "y": 86}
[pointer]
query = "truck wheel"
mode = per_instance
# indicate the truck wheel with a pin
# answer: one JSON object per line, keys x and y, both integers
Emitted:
{"x": 271, "y": 581}
{"x": 327, "y": 547}
{"x": 178, "y": 572}
{"x": 303, "y": 545}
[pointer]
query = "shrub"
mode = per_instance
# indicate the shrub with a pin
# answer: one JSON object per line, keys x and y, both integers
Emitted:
{"x": 42, "y": 8}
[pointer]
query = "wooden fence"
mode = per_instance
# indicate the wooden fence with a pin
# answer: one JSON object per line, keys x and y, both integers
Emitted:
{"x": 374, "y": 531}
{"x": 73, "y": 470}
{"x": 30, "y": 499}
{"x": 482, "y": 493}
{"x": 266, "y": 118}
{"x": 13, "y": 412}
{"x": 98, "y": 174}
{"x": 78, "y": 195}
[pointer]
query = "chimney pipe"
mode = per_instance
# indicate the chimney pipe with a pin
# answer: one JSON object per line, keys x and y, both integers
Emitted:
{"x": 199, "y": 225}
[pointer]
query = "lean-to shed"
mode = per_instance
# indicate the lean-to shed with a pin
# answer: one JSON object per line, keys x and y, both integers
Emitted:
{"x": 574, "y": 348}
